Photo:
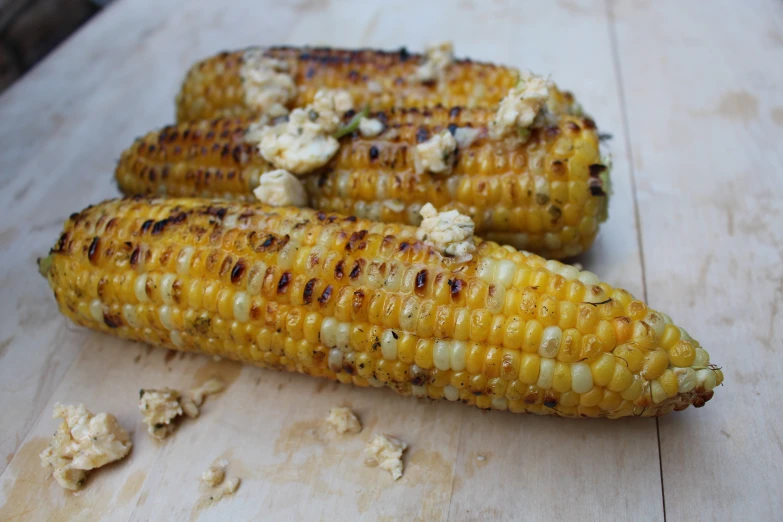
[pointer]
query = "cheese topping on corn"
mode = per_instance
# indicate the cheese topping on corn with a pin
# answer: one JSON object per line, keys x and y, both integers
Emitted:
{"x": 306, "y": 141}
{"x": 160, "y": 408}
{"x": 280, "y": 188}
{"x": 343, "y": 420}
{"x": 269, "y": 86}
{"x": 436, "y": 154}
{"x": 521, "y": 108}
{"x": 438, "y": 58}
{"x": 465, "y": 136}
{"x": 370, "y": 127}
{"x": 449, "y": 232}
{"x": 385, "y": 452}
{"x": 82, "y": 442}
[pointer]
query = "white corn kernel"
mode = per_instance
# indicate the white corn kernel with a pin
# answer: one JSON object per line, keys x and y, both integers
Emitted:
{"x": 588, "y": 278}
{"x": 441, "y": 355}
{"x": 242, "y": 307}
{"x": 546, "y": 373}
{"x": 450, "y": 392}
{"x": 658, "y": 395}
{"x": 375, "y": 382}
{"x": 164, "y": 313}
{"x": 389, "y": 345}
{"x": 569, "y": 272}
{"x": 343, "y": 337}
{"x": 707, "y": 379}
{"x": 496, "y": 299}
{"x": 176, "y": 339}
{"x": 581, "y": 377}
{"x": 458, "y": 353}
{"x": 166, "y": 288}
{"x": 553, "y": 266}
{"x": 634, "y": 390}
{"x": 329, "y": 332}
{"x": 486, "y": 270}
{"x": 686, "y": 379}
{"x": 335, "y": 360}
{"x": 183, "y": 260}
{"x": 419, "y": 391}
{"x": 550, "y": 342}
{"x": 499, "y": 403}
{"x": 656, "y": 322}
{"x": 505, "y": 272}
{"x": 130, "y": 316}
{"x": 96, "y": 310}
{"x": 140, "y": 288}
{"x": 702, "y": 358}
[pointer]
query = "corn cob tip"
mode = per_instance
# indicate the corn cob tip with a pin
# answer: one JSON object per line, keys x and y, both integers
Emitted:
{"x": 44, "y": 264}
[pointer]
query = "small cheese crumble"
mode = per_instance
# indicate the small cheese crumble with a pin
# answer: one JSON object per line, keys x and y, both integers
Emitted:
{"x": 280, "y": 188}
{"x": 160, "y": 408}
{"x": 466, "y": 136}
{"x": 521, "y": 107}
{"x": 370, "y": 127}
{"x": 343, "y": 420}
{"x": 228, "y": 487}
{"x": 449, "y": 232}
{"x": 306, "y": 141}
{"x": 268, "y": 83}
{"x": 438, "y": 57}
{"x": 82, "y": 442}
{"x": 216, "y": 474}
{"x": 386, "y": 453}
{"x": 436, "y": 154}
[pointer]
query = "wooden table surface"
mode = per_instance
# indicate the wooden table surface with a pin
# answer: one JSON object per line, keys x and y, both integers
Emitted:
{"x": 693, "y": 94}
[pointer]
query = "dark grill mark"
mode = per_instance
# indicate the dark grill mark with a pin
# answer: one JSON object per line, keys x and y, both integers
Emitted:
{"x": 421, "y": 281}
{"x": 358, "y": 299}
{"x": 422, "y": 135}
{"x": 589, "y": 124}
{"x": 339, "y": 269}
{"x": 456, "y": 287}
{"x": 146, "y": 225}
{"x": 452, "y": 128}
{"x": 307, "y": 295}
{"x": 573, "y": 127}
{"x": 454, "y": 112}
{"x": 356, "y": 270}
{"x": 134, "y": 257}
{"x": 404, "y": 54}
{"x": 596, "y": 169}
{"x": 93, "y": 251}
{"x": 373, "y": 152}
{"x": 282, "y": 286}
{"x": 225, "y": 266}
{"x": 112, "y": 320}
{"x": 238, "y": 272}
{"x": 325, "y": 295}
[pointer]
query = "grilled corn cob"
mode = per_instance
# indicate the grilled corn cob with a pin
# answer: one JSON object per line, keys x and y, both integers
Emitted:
{"x": 365, "y": 303}
{"x": 547, "y": 196}
{"x": 215, "y": 88}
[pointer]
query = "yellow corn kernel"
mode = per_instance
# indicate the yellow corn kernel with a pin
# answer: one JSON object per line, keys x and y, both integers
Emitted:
{"x": 682, "y": 354}
{"x": 603, "y": 369}
{"x": 610, "y": 400}
{"x": 586, "y": 318}
{"x": 514, "y": 333}
{"x": 636, "y": 310}
{"x": 509, "y": 364}
{"x": 670, "y": 336}
{"x": 423, "y": 354}
{"x": 533, "y": 333}
{"x": 562, "y": 378}
{"x": 632, "y": 356}
{"x": 622, "y": 378}
{"x": 605, "y": 333}
{"x": 591, "y": 397}
{"x": 570, "y": 346}
{"x": 591, "y": 347}
{"x": 634, "y": 391}
{"x": 406, "y": 348}
{"x": 643, "y": 336}
{"x": 476, "y": 354}
{"x": 529, "y": 367}
{"x": 655, "y": 362}
{"x": 669, "y": 383}
{"x": 496, "y": 387}
{"x": 569, "y": 399}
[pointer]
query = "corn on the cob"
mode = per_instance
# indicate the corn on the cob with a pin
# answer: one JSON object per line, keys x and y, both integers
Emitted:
{"x": 214, "y": 87}
{"x": 365, "y": 303}
{"x": 547, "y": 196}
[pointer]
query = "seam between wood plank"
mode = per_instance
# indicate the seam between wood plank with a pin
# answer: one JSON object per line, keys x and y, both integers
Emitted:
{"x": 632, "y": 171}
{"x": 456, "y": 463}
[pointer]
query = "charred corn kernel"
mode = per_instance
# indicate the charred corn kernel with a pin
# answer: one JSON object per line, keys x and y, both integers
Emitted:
{"x": 591, "y": 397}
{"x": 622, "y": 378}
{"x": 323, "y": 308}
{"x": 633, "y": 357}
{"x": 682, "y": 354}
{"x": 214, "y": 158}
{"x": 655, "y": 363}
{"x": 603, "y": 369}
{"x": 562, "y": 377}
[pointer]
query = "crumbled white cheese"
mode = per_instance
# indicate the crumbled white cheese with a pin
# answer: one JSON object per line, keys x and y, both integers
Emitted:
{"x": 521, "y": 107}
{"x": 280, "y": 188}
{"x": 161, "y": 408}
{"x": 305, "y": 142}
{"x": 449, "y": 232}
{"x": 437, "y": 60}
{"x": 343, "y": 420}
{"x": 436, "y": 154}
{"x": 228, "y": 487}
{"x": 374, "y": 87}
{"x": 465, "y": 136}
{"x": 385, "y": 452}
{"x": 370, "y": 127}
{"x": 216, "y": 474}
{"x": 268, "y": 83}
{"x": 82, "y": 442}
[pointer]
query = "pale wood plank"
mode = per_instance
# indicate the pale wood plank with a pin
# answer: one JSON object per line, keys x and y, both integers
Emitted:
{"x": 704, "y": 105}
{"x": 266, "y": 428}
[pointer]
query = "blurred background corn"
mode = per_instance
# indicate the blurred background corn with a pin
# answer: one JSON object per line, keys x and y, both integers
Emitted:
{"x": 213, "y": 87}
{"x": 548, "y": 195}
{"x": 364, "y": 303}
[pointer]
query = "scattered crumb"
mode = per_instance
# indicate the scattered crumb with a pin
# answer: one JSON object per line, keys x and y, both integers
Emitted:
{"x": 481, "y": 458}
{"x": 385, "y": 452}
{"x": 449, "y": 232}
{"x": 82, "y": 442}
{"x": 215, "y": 478}
{"x": 370, "y": 127}
{"x": 343, "y": 420}
{"x": 161, "y": 408}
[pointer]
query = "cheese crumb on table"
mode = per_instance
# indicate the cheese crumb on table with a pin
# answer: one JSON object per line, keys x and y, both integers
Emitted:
{"x": 343, "y": 420}
{"x": 280, "y": 188}
{"x": 438, "y": 57}
{"x": 306, "y": 141}
{"x": 449, "y": 232}
{"x": 160, "y": 408}
{"x": 370, "y": 127}
{"x": 215, "y": 475}
{"x": 386, "y": 453}
{"x": 522, "y": 108}
{"x": 268, "y": 83}
{"x": 436, "y": 154}
{"x": 83, "y": 442}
